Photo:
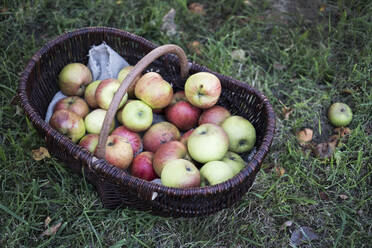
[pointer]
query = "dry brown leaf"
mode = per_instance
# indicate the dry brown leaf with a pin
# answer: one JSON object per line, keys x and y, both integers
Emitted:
{"x": 323, "y": 196}
{"x": 343, "y": 197}
{"x": 195, "y": 46}
{"x": 287, "y": 112}
{"x": 347, "y": 91}
{"x": 279, "y": 171}
{"x": 47, "y": 221}
{"x": 52, "y": 230}
{"x": 40, "y": 154}
{"x": 342, "y": 131}
{"x": 197, "y": 8}
{"x": 324, "y": 150}
{"x": 304, "y": 136}
{"x": 286, "y": 224}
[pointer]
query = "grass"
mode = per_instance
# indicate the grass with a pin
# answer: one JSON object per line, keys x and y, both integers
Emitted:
{"x": 300, "y": 64}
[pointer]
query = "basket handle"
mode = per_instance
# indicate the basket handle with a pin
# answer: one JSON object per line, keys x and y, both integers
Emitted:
{"x": 128, "y": 81}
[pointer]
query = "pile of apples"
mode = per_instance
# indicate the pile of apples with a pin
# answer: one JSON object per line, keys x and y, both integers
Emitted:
{"x": 180, "y": 139}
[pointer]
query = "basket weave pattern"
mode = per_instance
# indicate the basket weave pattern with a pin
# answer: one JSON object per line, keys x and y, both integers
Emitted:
{"x": 38, "y": 85}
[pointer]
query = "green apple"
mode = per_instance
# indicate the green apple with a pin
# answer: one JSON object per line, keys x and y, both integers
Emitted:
{"x": 208, "y": 142}
{"x": 68, "y": 123}
{"x": 215, "y": 172}
{"x": 105, "y": 93}
{"x": 137, "y": 116}
{"x": 90, "y": 93}
{"x": 235, "y": 161}
{"x": 241, "y": 133}
{"x": 73, "y": 78}
{"x": 340, "y": 114}
{"x": 94, "y": 120}
{"x": 180, "y": 173}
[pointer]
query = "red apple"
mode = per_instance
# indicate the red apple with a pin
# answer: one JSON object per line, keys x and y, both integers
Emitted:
{"x": 123, "y": 74}
{"x": 73, "y": 103}
{"x": 89, "y": 142}
{"x": 69, "y": 124}
{"x": 159, "y": 134}
{"x": 118, "y": 151}
{"x": 142, "y": 166}
{"x": 73, "y": 78}
{"x": 216, "y": 115}
{"x": 186, "y": 136}
{"x": 166, "y": 152}
{"x": 105, "y": 93}
{"x": 133, "y": 138}
{"x": 154, "y": 90}
{"x": 183, "y": 115}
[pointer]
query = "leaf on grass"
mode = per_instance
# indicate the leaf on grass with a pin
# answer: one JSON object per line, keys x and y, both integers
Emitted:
{"x": 248, "y": 3}
{"x": 347, "y": 91}
{"x": 279, "y": 171}
{"x": 343, "y": 197}
{"x": 52, "y": 230}
{"x": 40, "y": 154}
{"x": 47, "y": 221}
{"x": 305, "y": 136}
{"x": 119, "y": 2}
{"x": 342, "y": 131}
{"x": 169, "y": 26}
{"x": 287, "y": 112}
{"x": 195, "y": 46}
{"x": 239, "y": 55}
{"x": 323, "y": 196}
{"x": 303, "y": 234}
{"x": 197, "y": 8}
{"x": 286, "y": 224}
{"x": 324, "y": 150}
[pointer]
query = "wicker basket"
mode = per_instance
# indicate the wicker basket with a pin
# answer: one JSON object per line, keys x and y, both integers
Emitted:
{"x": 38, "y": 85}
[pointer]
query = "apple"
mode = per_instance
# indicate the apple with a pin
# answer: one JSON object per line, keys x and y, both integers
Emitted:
{"x": 215, "y": 172}
{"x": 166, "y": 152}
{"x": 234, "y": 161}
{"x": 186, "y": 136}
{"x": 105, "y": 93}
{"x": 216, "y": 115}
{"x": 68, "y": 123}
{"x": 178, "y": 97}
{"x": 154, "y": 90}
{"x": 340, "y": 114}
{"x": 73, "y": 103}
{"x": 73, "y": 78}
{"x": 89, "y": 142}
{"x": 118, "y": 151}
{"x": 142, "y": 166}
{"x": 208, "y": 142}
{"x": 136, "y": 116}
{"x": 90, "y": 94}
{"x": 133, "y": 138}
{"x": 183, "y": 115}
{"x": 123, "y": 73}
{"x": 159, "y": 134}
{"x": 241, "y": 133}
{"x": 94, "y": 120}
{"x": 203, "y": 89}
{"x": 180, "y": 173}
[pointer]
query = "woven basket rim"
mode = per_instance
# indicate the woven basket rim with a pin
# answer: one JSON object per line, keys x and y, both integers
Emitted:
{"x": 106, "y": 170}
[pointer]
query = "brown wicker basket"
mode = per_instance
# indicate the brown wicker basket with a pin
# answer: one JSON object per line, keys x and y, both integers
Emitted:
{"x": 38, "y": 85}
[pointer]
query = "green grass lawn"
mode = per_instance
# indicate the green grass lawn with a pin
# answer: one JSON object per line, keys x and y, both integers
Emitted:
{"x": 299, "y": 64}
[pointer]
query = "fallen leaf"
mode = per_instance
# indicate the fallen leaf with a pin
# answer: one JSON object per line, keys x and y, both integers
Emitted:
{"x": 197, "y": 8}
{"x": 279, "y": 66}
{"x": 52, "y": 230}
{"x": 333, "y": 140}
{"x": 40, "y": 154}
{"x": 169, "y": 26}
{"x": 286, "y": 224}
{"x": 342, "y": 131}
{"x": 119, "y": 2}
{"x": 305, "y": 136}
{"x": 248, "y": 3}
{"x": 239, "y": 55}
{"x": 303, "y": 234}
{"x": 279, "y": 171}
{"x": 195, "y": 47}
{"x": 343, "y": 197}
{"x": 323, "y": 196}
{"x": 347, "y": 91}
{"x": 324, "y": 150}
{"x": 322, "y": 8}
{"x": 287, "y": 112}
{"x": 47, "y": 221}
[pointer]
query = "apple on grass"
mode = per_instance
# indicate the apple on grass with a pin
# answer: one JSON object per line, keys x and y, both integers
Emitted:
{"x": 215, "y": 172}
{"x": 159, "y": 134}
{"x": 136, "y": 116}
{"x": 203, "y": 89}
{"x": 208, "y": 142}
{"x": 133, "y": 138}
{"x": 123, "y": 73}
{"x": 89, "y": 142}
{"x": 105, "y": 93}
{"x": 94, "y": 121}
{"x": 118, "y": 151}
{"x": 166, "y": 152}
{"x": 241, "y": 133}
{"x": 234, "y": 161}
{"x": 73, "y": 78}
{"x": 154, "y": 90}
{"x": 180, "y": 173}
{"x": 216, "y": 115}
{"x": 183, "y": 115}
{"x": 73, "y": 103}
{"x": 90, "y": 94}
{"x": 340, "y": 114}
{"x": 68, "y": 123}
{"x": 142, "y": 166}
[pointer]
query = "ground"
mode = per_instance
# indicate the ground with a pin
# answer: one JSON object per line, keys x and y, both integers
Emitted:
{"x": 302, "y": 63}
